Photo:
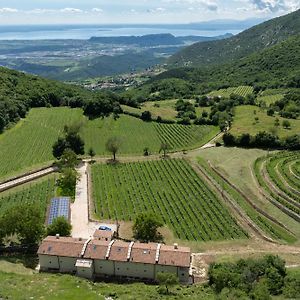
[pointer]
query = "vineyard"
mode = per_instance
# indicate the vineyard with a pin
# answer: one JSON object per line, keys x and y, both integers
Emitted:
{"x": 137, "y": 135}
{"x": 270, "y": 99}
{"x": 168, "y": 188}
{"x": 29, "y": 143}
{"x": 269, "y": 225}
{"x": 39, "y": 193}
{"x": 278, "y": 177}
{"x": 225, "y": 93}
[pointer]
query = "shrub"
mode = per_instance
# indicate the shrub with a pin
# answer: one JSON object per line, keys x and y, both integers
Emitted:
{"x": 146, "y": 116}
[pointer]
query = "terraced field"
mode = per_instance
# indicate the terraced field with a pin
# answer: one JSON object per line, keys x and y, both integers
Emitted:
{"x": 240, "y": 90}
{"x": 29, "y": 143}
{"x": 170, "y": 189}
{"x": 40, "y": 192}
{"x": 264, "y": 221}
{"x": 279, "y": 180}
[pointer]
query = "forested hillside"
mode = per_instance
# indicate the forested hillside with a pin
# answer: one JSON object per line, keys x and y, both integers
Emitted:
{"x": 250, "y": 41}
{"x": 272, "y": 67}
{"x": 19, "y": 92}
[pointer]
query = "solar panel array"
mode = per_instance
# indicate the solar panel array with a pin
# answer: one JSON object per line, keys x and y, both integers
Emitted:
{"x": 59, "y": 207}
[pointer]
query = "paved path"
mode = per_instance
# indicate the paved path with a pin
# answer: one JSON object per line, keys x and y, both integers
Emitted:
{"x": 26, "y": 178}
{"x": 79, "y": 209}
{"x": 81, "y": 226}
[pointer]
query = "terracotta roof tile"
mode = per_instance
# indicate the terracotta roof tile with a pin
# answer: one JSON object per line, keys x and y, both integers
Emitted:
{"x": 63, "y": 246}
{"x": 119, "y": 251}
{"x": 96, "y": 249}
{"x": 105, "y": 235}
{"x": 174, "y": 257}
{"x": 143, "y": 253}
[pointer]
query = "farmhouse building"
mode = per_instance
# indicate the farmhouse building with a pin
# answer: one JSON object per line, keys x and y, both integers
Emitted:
{"x": 96, "y": 258}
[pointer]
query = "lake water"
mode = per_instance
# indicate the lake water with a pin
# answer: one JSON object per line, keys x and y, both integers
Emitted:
{"x": 86, "y": 32}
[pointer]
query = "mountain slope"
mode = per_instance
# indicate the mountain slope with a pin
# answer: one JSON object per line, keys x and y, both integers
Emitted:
{"x": 277, "y": 66}
{"x": 19, "y": 92}
{"x": 250, "y": 41}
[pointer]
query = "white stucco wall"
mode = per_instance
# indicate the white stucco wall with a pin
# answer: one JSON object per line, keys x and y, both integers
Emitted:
{"x": 87, "y": 273}
{"x": 67, "y": 264}
{"x": 104, "y": 267}
{"x": 48, "y": 262}
{"x": 130, "y": 269}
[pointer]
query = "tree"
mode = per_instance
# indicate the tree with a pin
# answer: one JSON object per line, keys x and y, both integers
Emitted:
{"x": 91, "y": 153}
{"x": 291, "y": 287}
{"x": 68, "y": 160}
{"x": 59, "y": 147}
{"x": 71, "y": 140}
{"x": 286, "y": 124}
{"x": 113, "y": 145}
{"x": 228, "y": 139}
{"x": 164, "y": 147}
{"x": 146, "y": 151}
{"x": 145, "y": 228}
{"x": 146, "y": 116}
{"x": 261, "y": 291}
{"x": 244, "y": 140}
{"x": 59, "y": 226}
{"x": 67, "y": 182}
{"x": 26, "y": 220}
{"x": 167, "y": 279}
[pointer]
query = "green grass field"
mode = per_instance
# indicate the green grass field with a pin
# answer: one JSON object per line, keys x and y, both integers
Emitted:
{"x": 39, "y": 192}
{"x": 168, "y": 188}
{"x": 28, "y": 145}
{"x": 225, "y": 93}
{"x": 56, "y": 287}
{"x": 165, "y": 109}
{"x": 245, "y": 122}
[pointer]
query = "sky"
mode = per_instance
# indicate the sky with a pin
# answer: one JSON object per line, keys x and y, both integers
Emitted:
{"x": 138, "y": 11}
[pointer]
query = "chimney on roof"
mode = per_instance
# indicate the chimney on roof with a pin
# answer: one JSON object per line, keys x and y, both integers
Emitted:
{"x": 80, "y": 239}
{"x": 57, "y": 236}
{"x": 176, "y": 246}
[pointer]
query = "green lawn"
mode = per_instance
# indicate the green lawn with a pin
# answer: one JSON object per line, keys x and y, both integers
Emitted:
{"x": 245, "y": 122}
{"x": 165, "y": 109}
{"x": 56, "y": 287}
{"x": 28, "y": 145}
{"x": 170, "y": 189}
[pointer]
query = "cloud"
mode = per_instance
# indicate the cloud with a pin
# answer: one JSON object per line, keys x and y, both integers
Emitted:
{"x": 156, "y": 10}
{"x": 207, "y": 4}
{"x": 97, "y": 10}
{"x": 8, "y": 10}
{"x": 71, "y": 10}
{"x": 275, "y": 6}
